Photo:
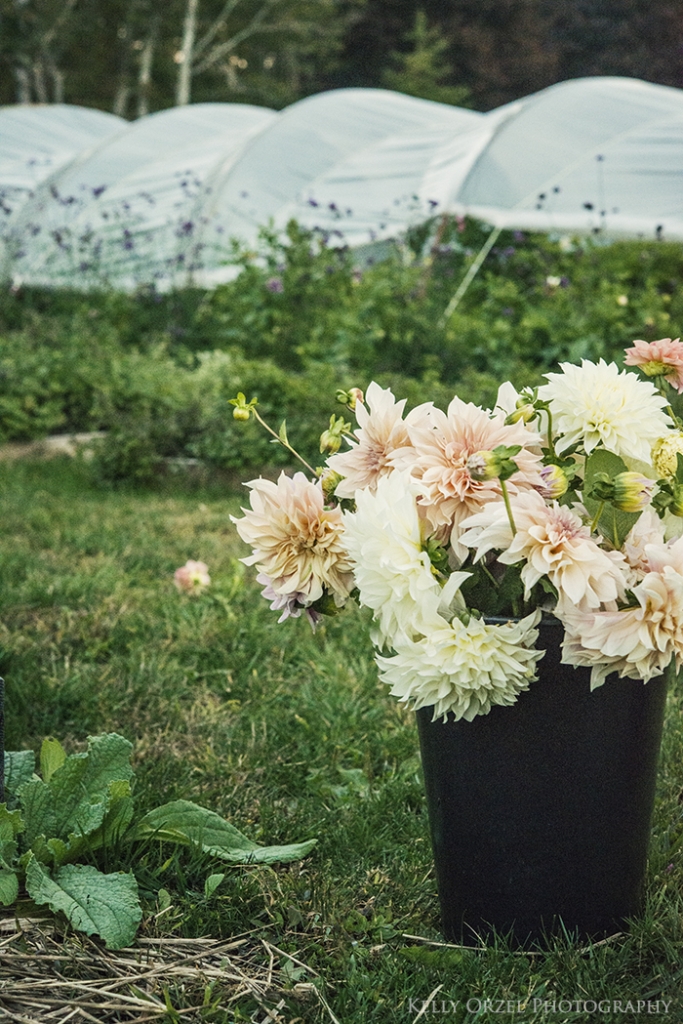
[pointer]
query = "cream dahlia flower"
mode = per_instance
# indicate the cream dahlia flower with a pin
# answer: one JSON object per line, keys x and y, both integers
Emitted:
{"x": 648, "y": 529}
{"x": 297, "y": 542}
{"x": 464, "y": 669}
{"x": 392, "y": 572}
{"x": 442, "y": 443}
{"x": 381, "y": 430}
{"x": 638, "y": 643}
{"x": 596, "y": 403}
{"x": 553, "y": 542}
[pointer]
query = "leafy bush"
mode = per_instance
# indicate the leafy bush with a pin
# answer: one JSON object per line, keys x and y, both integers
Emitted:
{"x": 301, "y": 319}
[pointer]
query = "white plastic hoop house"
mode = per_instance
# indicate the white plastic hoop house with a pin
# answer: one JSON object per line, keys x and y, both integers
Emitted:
{"x": 157, "y": 201}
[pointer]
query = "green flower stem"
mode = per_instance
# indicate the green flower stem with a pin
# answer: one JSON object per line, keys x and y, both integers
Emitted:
{"x": 283, "y": 443}
{"x": 551, "y": 445}
{"x": 663, "y": 387}
{"x": 596, "y": 520}
{"x": 508, "y": 507}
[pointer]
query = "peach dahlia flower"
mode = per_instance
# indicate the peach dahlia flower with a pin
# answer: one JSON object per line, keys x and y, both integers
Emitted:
{"x": 296, "y": 541}
{"x": 553, "y": 542}
{"x": 637, "y": 642}
{"x": 381, "y": 430}
{"x": 441, "y": 444}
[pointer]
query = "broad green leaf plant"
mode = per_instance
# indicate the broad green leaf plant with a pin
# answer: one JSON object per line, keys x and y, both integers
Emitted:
{"x": 77, "y": 804}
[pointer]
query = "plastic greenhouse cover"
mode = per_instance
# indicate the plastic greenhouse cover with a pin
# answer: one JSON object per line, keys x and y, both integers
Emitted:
{"x": 159, "y": 202}
{"x": 36, "y": 140}
{"x": 127, "y": 212}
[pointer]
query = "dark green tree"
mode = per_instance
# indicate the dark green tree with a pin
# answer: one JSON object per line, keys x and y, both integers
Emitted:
{"x": 425, "y": 70}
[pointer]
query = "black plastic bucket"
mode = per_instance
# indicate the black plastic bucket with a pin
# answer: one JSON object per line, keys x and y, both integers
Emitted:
{"x": 540, "y": 812}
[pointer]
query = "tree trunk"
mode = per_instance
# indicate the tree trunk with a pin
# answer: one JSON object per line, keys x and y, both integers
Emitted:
{"x": 145, "y": 73}
{"x": 23, "y": 85}
{"x": 57, "y": 77}
{"x": 184, "y": 83}
{"x": 121, "y": 99}
{"x": 39, "y": 82}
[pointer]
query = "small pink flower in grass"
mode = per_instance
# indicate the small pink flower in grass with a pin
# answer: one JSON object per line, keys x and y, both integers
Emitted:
{"x": 663, "y": 358}
{"x": 192, "y": 578}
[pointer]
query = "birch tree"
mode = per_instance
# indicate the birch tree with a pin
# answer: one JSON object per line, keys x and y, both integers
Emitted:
{"x": 222, "y": 39}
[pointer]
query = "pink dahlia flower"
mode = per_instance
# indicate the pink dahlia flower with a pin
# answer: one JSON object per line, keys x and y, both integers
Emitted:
{"x": 441, "y": 445}
{"x": 381, "y": 430}
{"x": 663, "y": 358}
{"x": 192, "y": 578}
{"x": 553, "y": 542}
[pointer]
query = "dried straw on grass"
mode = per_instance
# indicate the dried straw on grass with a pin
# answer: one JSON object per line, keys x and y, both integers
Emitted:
{"x": 45, "y": 977}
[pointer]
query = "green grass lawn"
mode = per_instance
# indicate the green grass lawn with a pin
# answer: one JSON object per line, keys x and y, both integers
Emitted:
{"x": 290, "y": 736}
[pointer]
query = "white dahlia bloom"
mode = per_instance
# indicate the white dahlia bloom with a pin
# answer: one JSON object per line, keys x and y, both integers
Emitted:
{"x": 392, "y": 572}
{"x": 441, "y": 445}
{"x": 381, "y": 430}
{"x": 464, "y": 669}
{"x": 596, "y": 403}
{"x": 297, "y": 543}
{"x": 553, "y": 542}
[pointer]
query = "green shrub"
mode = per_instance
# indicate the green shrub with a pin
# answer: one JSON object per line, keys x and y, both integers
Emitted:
{"x": 299, "y": 321}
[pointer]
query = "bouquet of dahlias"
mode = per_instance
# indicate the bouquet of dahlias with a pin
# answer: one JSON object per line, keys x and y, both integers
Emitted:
{"x": 460, "y": 529}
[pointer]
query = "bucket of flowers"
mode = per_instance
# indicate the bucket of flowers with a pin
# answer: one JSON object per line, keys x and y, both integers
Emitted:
{"x": 524, "y": 570}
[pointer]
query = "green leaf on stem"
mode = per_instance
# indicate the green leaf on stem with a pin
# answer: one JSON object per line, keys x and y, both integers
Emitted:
{"x": 613, "y": 524}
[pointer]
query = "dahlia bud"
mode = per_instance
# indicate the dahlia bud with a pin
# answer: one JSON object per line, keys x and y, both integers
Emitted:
{"x": 664, "y": 452}
{"x": 555, "y": 482}
{"x": 329, "y": 442}
{"x": 632, "y": 492}
{"x": 242, "y": 410}
{"x": 487, "y": 465}
{"x": 483, "y": 465}
{"x": 524, "y": 412}
{"x": 350, "y": 397}
{"x": 329, "y": 481}
{"x": 330, "y": 439}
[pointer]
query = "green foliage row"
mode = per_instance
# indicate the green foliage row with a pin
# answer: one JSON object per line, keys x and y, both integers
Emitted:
{"x": 303, "y": 318}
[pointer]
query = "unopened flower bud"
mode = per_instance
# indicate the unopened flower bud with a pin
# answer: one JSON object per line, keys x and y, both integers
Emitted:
{"x": 524, "y": 412}
{"x": 329, "y": 442}
{"x": 330, "y": 439}
{"x": 242, "y": 408}
{"x": 328, "y": 481}
{"x": 664, "y": 452}
{"x": 483, "y": 465}
{"x": 499, "y": 463}
{"x": 632, "y": 492}
{"x": 350, "y": 397}
{"x": 555, "y": 482}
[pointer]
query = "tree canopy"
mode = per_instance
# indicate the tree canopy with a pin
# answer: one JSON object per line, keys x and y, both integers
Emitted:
{"x": 136, "y": 56}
